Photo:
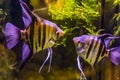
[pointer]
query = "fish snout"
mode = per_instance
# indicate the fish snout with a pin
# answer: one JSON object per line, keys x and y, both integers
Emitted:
{"x": 75, "y": 40}
{"x": 60, "y": 33}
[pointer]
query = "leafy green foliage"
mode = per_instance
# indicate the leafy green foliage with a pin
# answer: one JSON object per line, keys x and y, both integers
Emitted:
{"x": 85, "y": 10}
{"x": 117, "y": 31}
{"x": 62, "y": 9}
{"x": 92, "y": 32}
{"x": 74, "y": 15}
{"x": 117, "y": 17}
{"x": 116, "y": 2}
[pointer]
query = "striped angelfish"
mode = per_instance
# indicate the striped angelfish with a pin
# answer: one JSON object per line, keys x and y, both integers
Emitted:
{"x": 95, "y": 48}
{"x": 39, "y": 34}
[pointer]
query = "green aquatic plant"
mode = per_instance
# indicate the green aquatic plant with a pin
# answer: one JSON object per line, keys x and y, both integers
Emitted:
{"x": 7, "y": 63}
{"x": 116, "y": 2}
{"x": 62, "y": 9}
{"x": 117, "y": 31}
{"x": 75, "y": 16}
{"x": 94, "y": 32}
{"x": 7, "y": 59}
{"x": 116, "y": 17}
{"x": 73, "y": 9}
{"x": 3, "y": 15}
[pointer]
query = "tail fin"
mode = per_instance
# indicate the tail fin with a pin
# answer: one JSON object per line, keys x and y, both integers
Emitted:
{"x": 115, "y": 55}
{"x": 12, "y": 34}
{"x": 26, "y": 55}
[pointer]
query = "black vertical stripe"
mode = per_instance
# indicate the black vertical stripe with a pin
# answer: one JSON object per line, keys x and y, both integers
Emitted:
{"x": 99, "y": 52}
{"x": 91, "y": 45}
{"x": 35, "y": 44}
{"x": 39, "y": 35}
{"x": 27, "y": 38}
{"x": 36, "y": 36}
{"x": 96, "y": 42}
{"x": 32, "y": 33}
{"x": 48, "y": 31}
{"x": 103, "y": 52}
{"x": 44, "y": 35}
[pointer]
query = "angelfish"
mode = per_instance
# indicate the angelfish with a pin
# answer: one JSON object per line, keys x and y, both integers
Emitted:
{"x": 39, "y": 34}
{"x": 95, "y": 48}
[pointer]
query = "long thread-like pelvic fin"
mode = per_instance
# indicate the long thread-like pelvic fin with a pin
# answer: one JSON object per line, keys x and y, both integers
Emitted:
{"x": 50, "y": 50}
{"x": 48, "y": 56}
{"x": 80, "y": 68}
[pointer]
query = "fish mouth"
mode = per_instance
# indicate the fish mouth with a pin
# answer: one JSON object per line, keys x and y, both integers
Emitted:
{"x": 80, "y": 47}
{"x": 59, "y": 34}
{"x": 80, "y": 50}
{"x": 52, "y": 41}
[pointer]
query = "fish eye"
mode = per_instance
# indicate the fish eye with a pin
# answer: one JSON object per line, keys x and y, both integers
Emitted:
{"x": 57, "y": 33}
{"x": 78, "y": 41}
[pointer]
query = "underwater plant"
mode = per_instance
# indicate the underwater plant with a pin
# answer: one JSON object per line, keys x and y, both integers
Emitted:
{"x": 7, "y": 60}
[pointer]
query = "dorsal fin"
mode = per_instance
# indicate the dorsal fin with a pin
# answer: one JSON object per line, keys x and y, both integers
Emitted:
{"x": 26, "y": 14}
{"x": 105, "y": 39}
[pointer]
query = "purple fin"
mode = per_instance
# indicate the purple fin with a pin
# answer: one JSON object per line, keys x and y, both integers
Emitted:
{"x": 26, "y": 55}
{"x": 12, "y": 34}
{"x": 104, "y": 39}
{"x": 115, "y": 55}
{"x": 48, "y": 56}
{"x": 50, "y": 50}
{"x": 82, "y": 38}
{"x": 108, "y": 39}
{"x": 25, "y": 15}
{"x": 104, "y": 35}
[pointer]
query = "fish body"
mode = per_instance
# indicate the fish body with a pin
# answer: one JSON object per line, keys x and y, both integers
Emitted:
{"x": 93, "y": 49}
{"x": 42, "y": 36}
{"x": 39, "y": 34}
